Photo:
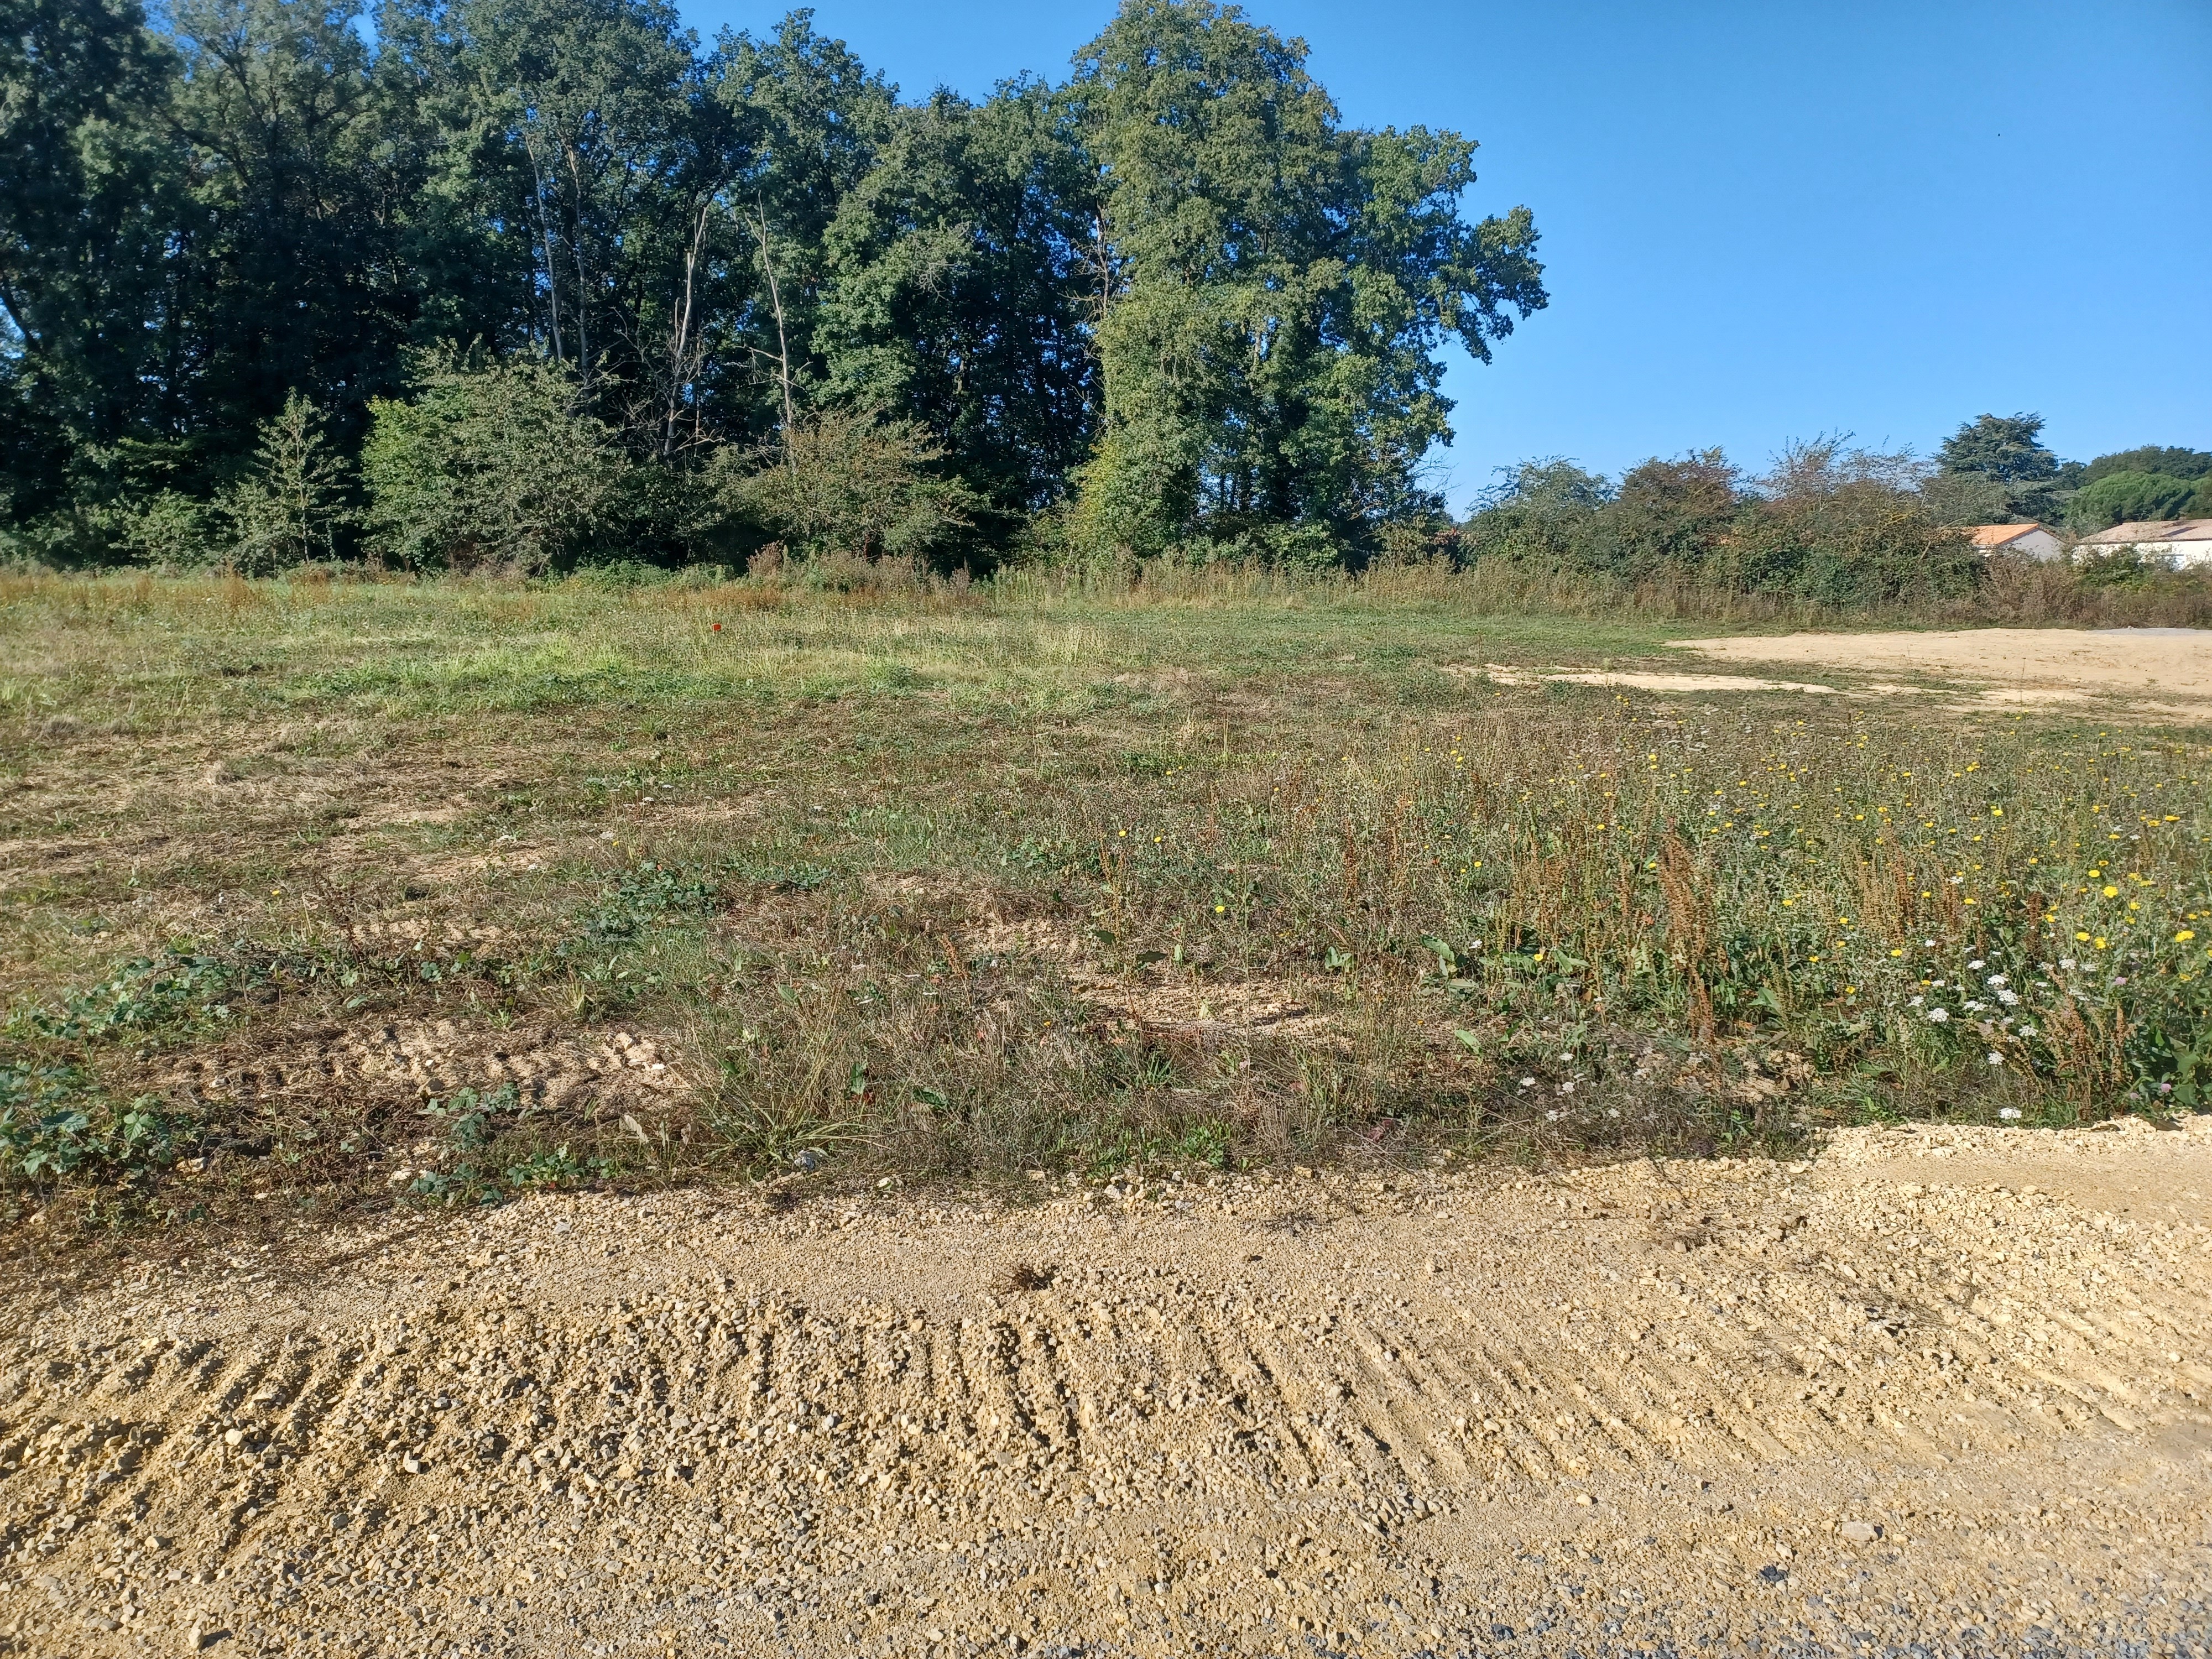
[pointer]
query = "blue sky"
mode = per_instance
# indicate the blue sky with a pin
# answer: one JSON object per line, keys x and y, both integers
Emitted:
{"x": 1763, "y": 220}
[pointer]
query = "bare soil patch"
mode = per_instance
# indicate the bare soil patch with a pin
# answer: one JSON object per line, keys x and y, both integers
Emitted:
{"x": 1834, "y": 1407}
{"x": 2029, "y": 664}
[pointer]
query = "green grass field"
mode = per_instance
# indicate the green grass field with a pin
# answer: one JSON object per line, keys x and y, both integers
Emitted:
{"x": 324, "y": 894}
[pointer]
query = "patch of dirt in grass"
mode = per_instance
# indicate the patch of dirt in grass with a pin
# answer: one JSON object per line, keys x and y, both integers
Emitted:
{"x": 2171, "y": 662}
{"x": 417, "y": 1059}
{"x": 1502, "y": 675}
{"x": 1272, "y": 1008}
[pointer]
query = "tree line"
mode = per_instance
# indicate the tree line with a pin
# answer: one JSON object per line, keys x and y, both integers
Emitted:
{"x": 511, "y": 283}
{"x": 1826, "y": 523}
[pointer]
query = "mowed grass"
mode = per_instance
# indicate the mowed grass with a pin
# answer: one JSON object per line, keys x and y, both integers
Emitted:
{"x": 322, "y": 894}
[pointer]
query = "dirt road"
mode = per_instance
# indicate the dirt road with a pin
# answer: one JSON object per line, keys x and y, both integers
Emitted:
{"x": 1943, "y": 1392}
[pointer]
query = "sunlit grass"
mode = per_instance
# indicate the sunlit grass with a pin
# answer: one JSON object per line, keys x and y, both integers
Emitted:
{"x": 991, "y": 879}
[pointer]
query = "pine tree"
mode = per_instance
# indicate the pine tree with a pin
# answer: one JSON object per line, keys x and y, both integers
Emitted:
{"x": 289, "y": 510}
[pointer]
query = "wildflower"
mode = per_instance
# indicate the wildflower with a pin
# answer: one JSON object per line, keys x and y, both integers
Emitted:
{"x": 2065, "y": 962}
{"x": 2101, "y": 944}
{"x": 1977, "y": 966}
{"x": 2009, "y": 998}
{"x": 1973, "y": 1007}
{"x": 2027, "y": 1030}
{"x": 2112, "y": 892}
{"x": 1939, "y": 1015}
{"x": 2082, "y": 939}
{"x": 1527, "y": 1082}
{"x": 1994, "y": 979}
{"x": 2185, "y": 936}
{"x": 2009, "y": 1114}
{"x": 1916, "y": 1002}
{"x": 1996, "y": 1058}
{"x": 1567, "y": 1088}
{"x": 1220, "y": 909}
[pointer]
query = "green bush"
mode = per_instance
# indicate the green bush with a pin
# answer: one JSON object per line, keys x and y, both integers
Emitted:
{"x": 1827, "y": 524}
{"x": 845, "y": 484}
{"x": 489, "y": 467}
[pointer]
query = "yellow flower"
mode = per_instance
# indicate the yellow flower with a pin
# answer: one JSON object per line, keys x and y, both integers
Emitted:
{"x": 2081, "y": 937}
{"x": 2185, "y": 936}
{"x": 2112, "y": 892}
{"x": 2100, "y": 944}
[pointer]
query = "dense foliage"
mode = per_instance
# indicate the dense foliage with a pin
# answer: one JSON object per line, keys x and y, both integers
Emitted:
{"x": 1827, "y": 525}
{"x": 572, "y": 241}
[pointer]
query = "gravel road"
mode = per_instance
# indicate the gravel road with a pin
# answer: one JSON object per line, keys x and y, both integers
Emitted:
{"x": 1932, "y": 1392}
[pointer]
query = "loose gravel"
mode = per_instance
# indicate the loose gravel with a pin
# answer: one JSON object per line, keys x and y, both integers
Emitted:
{"x": 1935, "y": 1391}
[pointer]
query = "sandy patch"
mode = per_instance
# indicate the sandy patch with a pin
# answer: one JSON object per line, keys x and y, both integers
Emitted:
{"x": 2111, "y": 662}
{"x": 1666, "y": 1406}
{"x": 1500, "y": 674}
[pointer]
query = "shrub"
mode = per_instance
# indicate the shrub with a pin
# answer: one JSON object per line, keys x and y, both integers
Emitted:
{"x": 842, "y": 482}
{"x": 488, "y": 467}
{"x": 169, "y": 529}
{"x": 1827, "y": 525}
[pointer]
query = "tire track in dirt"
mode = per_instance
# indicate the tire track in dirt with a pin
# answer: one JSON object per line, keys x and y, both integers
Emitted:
{"x": 579, "y": 1418}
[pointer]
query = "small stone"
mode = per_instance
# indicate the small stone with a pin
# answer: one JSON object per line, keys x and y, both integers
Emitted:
{"x": 1585, "y": 1499}
{"x": 412, "y": 1463}
{"x": 1858, "y": 1532}
{"x": 233, "y": 1437}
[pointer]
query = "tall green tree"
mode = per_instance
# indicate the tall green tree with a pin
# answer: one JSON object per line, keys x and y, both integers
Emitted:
{"x": 2008, "y": 451}
{"x": 648, "y": 216}
{"x": 1273, "y": 288}
{"x": 291, "y": 278}
{"x": 92, "y": 199}
{"x": 2165, "y": 460}
{"x": 959, "y": 291}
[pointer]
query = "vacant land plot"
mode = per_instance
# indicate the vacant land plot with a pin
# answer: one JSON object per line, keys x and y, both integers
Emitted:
{"x": 832, "y": 970}
{"x": 325, "y": 894}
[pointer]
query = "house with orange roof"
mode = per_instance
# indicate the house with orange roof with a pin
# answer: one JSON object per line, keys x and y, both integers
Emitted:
{"x": 2032, "y": 540}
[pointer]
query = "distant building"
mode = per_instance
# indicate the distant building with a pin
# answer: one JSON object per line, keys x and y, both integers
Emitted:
{"x": 2032, "y": 539}
{"x": 2177, "y": 540}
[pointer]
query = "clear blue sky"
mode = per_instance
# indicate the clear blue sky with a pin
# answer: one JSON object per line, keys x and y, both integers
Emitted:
{"x": 1763, "y": 220}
